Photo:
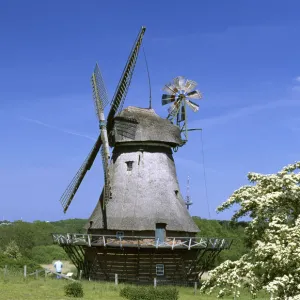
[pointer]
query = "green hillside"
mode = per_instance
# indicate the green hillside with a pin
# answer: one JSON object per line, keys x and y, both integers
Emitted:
{"x": 31, "y": 243}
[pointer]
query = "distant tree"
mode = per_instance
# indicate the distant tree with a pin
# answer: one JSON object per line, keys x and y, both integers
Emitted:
{"x": 224, "y": 229}
{"x": 46, "y": 254}
{"x": 12, "y": 250}
{"x": 273, "y": 204}
{"x": 34, "y": 241}
{"x": 5, "y": 222}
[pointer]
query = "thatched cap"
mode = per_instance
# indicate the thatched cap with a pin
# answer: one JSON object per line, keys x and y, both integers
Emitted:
{"x": 136, "y": 124}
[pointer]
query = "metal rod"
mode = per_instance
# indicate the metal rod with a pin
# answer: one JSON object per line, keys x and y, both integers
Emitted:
{"x": 185, "y": 121}
{"x": 149, "y": 82}
{"x": 204, "y": 174}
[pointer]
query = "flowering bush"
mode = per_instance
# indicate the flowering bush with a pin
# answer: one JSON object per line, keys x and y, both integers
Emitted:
{"x": 273, "y": 203}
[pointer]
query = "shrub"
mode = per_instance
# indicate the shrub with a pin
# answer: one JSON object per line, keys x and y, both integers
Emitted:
{"x": 12, "y": 250}
{"x": 125, "y": 292}
{"x": 74, "y": 289}
{"x": 18, "y": 264}
{"x": 149, "y": 293}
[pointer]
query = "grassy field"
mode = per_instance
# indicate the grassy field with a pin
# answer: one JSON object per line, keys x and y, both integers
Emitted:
{"x": 16, "y": 288}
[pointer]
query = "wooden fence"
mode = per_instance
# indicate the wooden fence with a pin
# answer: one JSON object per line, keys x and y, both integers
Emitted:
{"x": 38, "y": 273}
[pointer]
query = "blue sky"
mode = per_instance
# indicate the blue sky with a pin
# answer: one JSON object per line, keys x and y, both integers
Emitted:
{"x": 243, "y": 54}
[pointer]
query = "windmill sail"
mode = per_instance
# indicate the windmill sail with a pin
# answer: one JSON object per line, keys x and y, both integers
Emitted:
{"x": 99, "y": 91}
{"x": 179, "y": 82}
{"x": 70, "y": 191}
{"x": 167, "y": 99}
{"x": 194, "y": 94}
{"x": 190, "y": 85}
{"x": 116, "y": 104}
{"x": 122, "y": 88}
{"x": 101, "y": 100}
{"x": 192, "y": 105}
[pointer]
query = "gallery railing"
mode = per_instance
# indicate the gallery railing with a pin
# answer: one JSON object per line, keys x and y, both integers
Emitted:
{"x": 90, "y": 240}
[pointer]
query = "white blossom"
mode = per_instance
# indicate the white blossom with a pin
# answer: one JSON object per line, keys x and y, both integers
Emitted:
{"x": 273, "y": 263}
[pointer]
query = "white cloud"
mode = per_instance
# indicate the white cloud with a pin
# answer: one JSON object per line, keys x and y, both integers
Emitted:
{"x": 297, "y": 78}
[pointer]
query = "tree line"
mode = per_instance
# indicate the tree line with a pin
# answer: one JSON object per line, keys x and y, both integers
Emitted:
{"x": 31, "y": 243}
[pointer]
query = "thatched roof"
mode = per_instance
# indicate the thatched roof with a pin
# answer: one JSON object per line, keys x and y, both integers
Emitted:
{"x": 149, "y": 193}
{"x": 142, "y": 124}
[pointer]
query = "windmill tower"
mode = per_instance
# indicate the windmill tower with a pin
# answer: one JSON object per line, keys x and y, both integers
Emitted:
{"x": 140, "y": 227}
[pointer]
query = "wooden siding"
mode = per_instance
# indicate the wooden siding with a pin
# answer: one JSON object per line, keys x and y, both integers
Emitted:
{"x": 139, "y": 265}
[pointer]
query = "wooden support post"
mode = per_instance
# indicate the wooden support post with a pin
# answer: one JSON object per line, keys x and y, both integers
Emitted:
{"x": 25, "y": 271}
{"x": 190, "y": 242}
{"x": 195, "y": 287}
{"x": 116, "y": 279}
{"x": 5, "y": 270}
{"x": 155, "y": 283}
{"x": 45, "y": 274}
{"x": 80, "y": 274}
{"x": 36, "y": 274}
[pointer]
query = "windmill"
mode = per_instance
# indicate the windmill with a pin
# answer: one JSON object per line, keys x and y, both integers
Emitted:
{"x": 140, "y": 228}
{"x": 179, "y": 93}
{"x": 101, "y": 100}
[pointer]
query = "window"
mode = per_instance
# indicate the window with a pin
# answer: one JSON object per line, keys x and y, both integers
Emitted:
{"x": 129, "y": 165}
{"x": 160, "y": 270}
{"x": 119, "y": 234}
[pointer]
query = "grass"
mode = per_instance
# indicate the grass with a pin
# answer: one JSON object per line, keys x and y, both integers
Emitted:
{"x": 14, "y": 287}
